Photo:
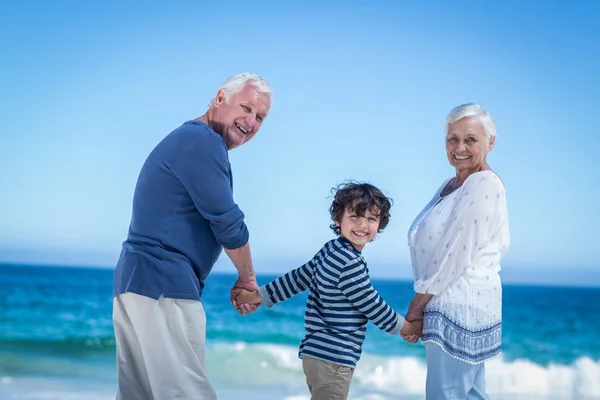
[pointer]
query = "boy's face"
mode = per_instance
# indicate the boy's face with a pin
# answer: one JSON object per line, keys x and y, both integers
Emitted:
{"x": 358, "y": 230}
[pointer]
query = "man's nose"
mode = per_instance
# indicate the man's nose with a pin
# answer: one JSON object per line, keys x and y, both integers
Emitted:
{"x": 250, "y": 120}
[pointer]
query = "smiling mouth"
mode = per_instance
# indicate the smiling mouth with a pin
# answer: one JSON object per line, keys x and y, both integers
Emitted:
{"x": 361, "y": 234}
{"x": 461, "y": 157}
{"x": 241, "y": 128}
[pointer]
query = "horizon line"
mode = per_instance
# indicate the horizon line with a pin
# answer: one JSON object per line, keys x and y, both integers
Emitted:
{"x": 511, "y": 281}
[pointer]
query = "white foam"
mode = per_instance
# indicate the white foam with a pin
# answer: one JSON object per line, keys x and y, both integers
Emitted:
{"x": 250, "y": 371}
{"x": 381, "y": 376}
{"x": 23, "y": 388}
{"x": 580, "y": 379}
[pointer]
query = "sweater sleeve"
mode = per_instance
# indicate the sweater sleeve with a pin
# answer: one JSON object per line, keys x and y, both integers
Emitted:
{"x": 290, "y": 284}
{"x": 355, "y": 284}
{"x": 475, "y": 226}
{"x": 204, "y": 171}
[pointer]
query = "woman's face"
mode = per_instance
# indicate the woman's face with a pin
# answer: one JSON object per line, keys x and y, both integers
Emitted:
{"x": 466, "y": 145}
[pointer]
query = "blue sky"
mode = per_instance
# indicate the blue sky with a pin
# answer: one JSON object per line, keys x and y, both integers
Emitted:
{"x": 361, "y": 92}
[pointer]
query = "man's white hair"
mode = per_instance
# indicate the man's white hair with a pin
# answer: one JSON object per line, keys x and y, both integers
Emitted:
{"x": 236, "y": 83}
{"x": 475, "y": 111}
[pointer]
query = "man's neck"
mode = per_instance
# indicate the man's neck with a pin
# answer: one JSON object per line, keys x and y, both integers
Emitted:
{"x": 204, "y": 118}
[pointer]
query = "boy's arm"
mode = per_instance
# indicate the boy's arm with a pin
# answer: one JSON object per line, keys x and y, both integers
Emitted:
{"x": 355, "y": 283}
{"x": 290, "y": 284}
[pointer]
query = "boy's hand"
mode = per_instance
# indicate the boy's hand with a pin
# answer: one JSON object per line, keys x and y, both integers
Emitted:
{"x": 243, "y": 296}
{"x": 412, "y": 330}
{"x": 241, "y": 307}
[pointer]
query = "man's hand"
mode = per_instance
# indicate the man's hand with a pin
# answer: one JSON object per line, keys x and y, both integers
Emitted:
{"x": 249, "y": 284}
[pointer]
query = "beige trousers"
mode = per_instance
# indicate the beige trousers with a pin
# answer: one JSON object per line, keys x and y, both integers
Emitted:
{"x": 326, "y": 380}
{"x": 160, "y": 349}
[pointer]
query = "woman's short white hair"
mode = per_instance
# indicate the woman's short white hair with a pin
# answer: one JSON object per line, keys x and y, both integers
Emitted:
{"x": 476, "y": 111}
{"x": 236, "y": 83}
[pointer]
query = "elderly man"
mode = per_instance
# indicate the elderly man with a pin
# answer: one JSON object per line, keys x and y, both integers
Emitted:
{"x": 184, "y": 214}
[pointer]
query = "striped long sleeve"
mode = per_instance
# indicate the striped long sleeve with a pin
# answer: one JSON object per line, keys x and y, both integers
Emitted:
{"x": 355, "y": 283}
{"x": 341, "y": 300}
{"x": 290, "y": 284}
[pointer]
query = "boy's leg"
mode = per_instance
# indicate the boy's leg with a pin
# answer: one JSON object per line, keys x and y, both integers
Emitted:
{"x": 326, "y": 380}
{"x": 163, "y": 355}
{"x": 447, "y": 377}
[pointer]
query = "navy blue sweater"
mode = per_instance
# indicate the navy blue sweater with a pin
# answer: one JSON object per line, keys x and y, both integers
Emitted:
{"x": 341, "y": 300}
{"x": 183, "y": 215}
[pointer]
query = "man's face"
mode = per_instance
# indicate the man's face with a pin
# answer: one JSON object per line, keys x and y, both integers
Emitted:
{"x": 240, "y": 118}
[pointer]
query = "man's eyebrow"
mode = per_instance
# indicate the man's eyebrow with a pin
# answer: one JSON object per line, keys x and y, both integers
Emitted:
{"x": 249, "y": 103}
{"x": 467, "y": 134}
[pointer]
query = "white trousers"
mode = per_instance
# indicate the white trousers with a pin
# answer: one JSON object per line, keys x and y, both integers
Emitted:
{"x": 161, "y": 349}
{"x": 452, "y": 379}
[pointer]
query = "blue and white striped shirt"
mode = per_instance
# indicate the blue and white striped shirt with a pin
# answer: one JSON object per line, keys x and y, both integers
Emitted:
{"x": 341, "y": 301}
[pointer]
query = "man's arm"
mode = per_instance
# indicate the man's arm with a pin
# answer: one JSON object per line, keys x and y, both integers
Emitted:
{"x": 242, "y": 260}
{"x": 203, "y": 169}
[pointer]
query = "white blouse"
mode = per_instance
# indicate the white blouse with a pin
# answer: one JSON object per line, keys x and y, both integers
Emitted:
{"x": 456, "y": 243}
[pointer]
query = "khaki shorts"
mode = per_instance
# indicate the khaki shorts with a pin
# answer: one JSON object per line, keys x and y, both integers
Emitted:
{"x": 326, "y": 380}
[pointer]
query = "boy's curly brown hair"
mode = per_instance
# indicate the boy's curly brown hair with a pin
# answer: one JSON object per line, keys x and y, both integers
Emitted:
{"x": 359, "y": 197}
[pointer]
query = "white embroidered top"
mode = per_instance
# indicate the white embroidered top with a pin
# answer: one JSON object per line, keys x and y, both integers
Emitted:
{"x": 456, "y": 243}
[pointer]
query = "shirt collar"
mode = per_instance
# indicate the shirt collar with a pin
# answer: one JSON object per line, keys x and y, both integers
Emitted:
{"x": 345, "y": 244}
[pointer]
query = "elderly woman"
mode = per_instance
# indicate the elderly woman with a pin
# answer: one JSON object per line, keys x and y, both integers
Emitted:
{"x": 456, "y": 243}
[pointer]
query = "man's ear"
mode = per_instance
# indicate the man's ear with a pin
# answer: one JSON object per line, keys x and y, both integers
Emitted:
{"x": 220, "y": 97}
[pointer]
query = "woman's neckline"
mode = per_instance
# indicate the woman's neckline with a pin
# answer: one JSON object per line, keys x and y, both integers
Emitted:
{"x": 453, "y": 179}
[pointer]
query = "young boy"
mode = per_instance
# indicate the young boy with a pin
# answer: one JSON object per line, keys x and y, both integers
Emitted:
{"x": 341, "y": 299}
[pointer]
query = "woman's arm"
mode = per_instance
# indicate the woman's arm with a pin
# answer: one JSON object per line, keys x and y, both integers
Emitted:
{"x": 417, "y": 305}
{"x": 478, "y": 214}
{"x": 415, "y": 313}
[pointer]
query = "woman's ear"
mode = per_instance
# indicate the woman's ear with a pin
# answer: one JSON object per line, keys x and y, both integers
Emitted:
{"x": 492, "y": 142}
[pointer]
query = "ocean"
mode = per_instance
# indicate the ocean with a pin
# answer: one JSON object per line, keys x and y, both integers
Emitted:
{"x": 57, "y": 342}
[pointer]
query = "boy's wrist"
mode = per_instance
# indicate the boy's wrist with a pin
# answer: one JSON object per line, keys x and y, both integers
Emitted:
{"x": 264, "y": 296}
{"x": 257, "y": 297}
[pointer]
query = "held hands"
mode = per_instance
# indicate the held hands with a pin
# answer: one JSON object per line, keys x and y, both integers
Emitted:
{"x": 413, "y": 327}
{"x": 412, "y": 330}
{"x": 243, "y": 285}
{"x": 244, "y": 296}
